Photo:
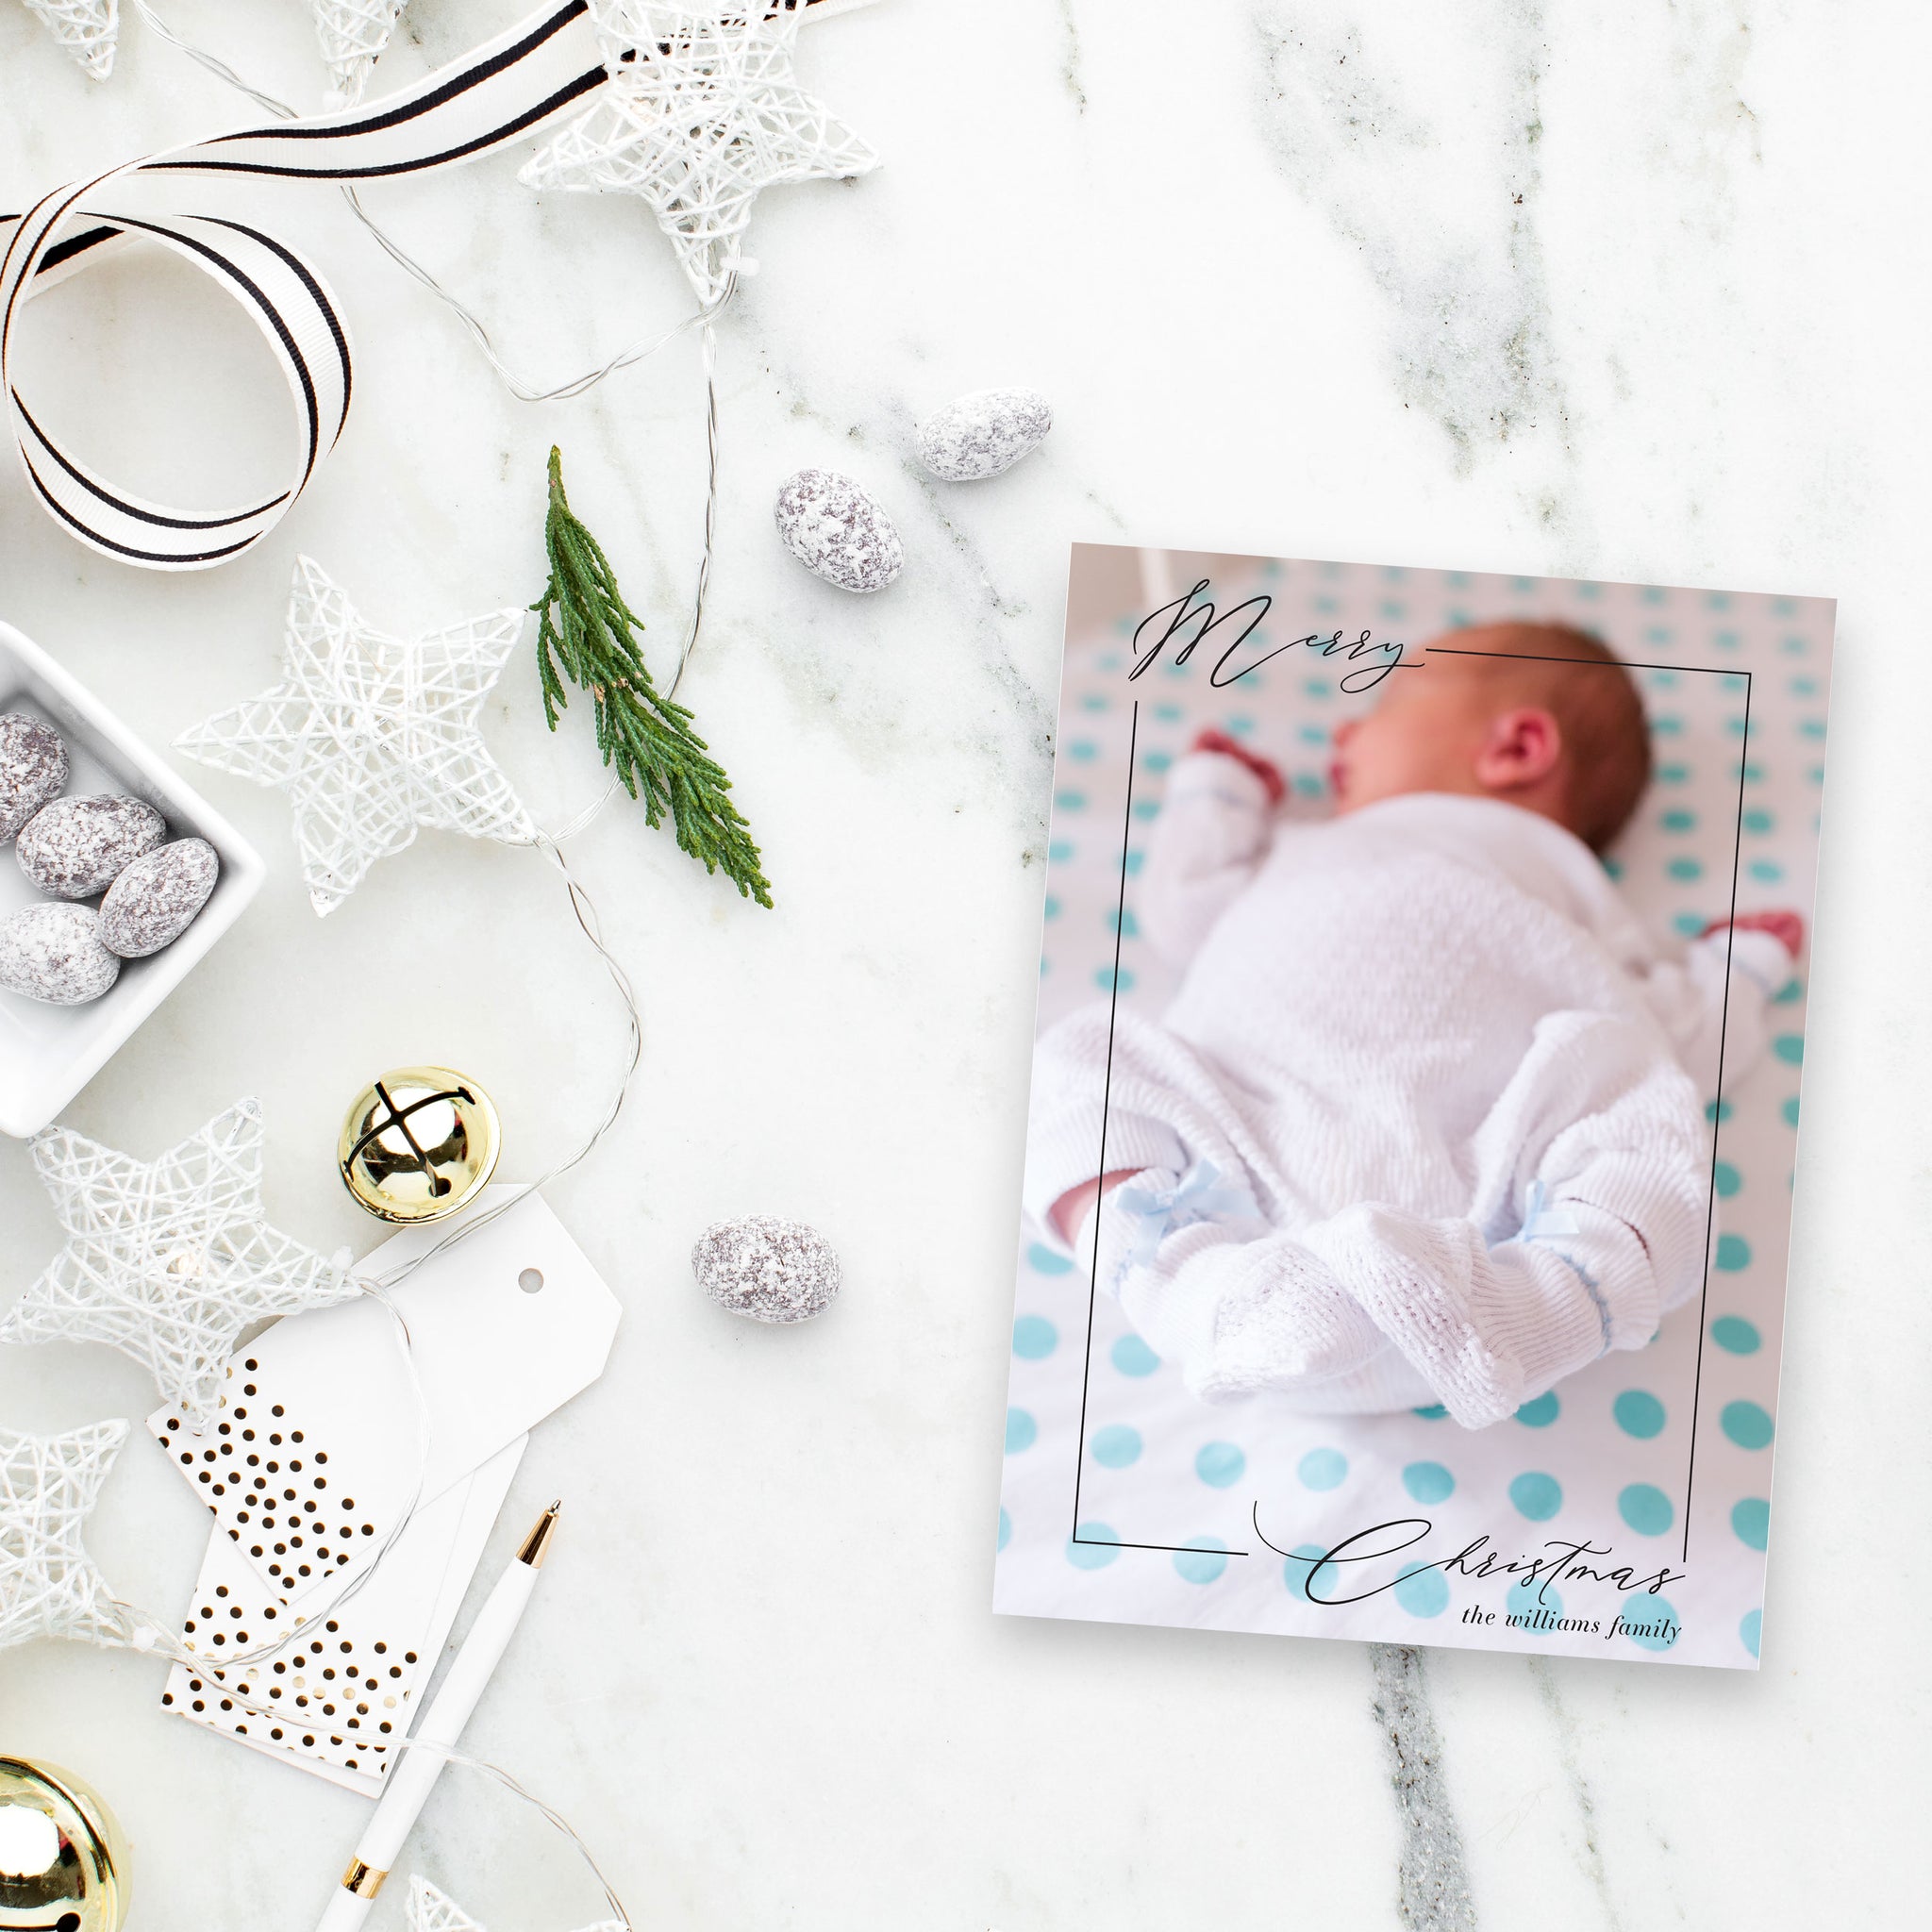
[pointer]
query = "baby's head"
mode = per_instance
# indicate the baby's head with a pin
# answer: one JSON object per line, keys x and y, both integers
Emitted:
{"x": 1566, "y": 737}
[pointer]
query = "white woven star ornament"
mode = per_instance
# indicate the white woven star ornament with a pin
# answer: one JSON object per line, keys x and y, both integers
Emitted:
{"x": 701, "y": 111}
{"x": 171, "y": 1261}
{"x": 353, "y": 33}
{"x": 373, "y": 736}
{"x": 86, "y": 28}
{"x": 434, "y": 1912}
{"x": 49, "y": 1586}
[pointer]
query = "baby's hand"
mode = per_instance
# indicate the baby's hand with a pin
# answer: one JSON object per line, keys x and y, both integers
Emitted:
{"x": 1270, "y": 774}
{"x": 1787, "y": 928}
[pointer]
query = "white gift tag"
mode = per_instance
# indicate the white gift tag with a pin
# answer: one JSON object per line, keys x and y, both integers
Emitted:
{"x": 314, "y": 1454}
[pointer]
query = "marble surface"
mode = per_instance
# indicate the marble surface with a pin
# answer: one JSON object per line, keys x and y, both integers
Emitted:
{"x": 1626, "y": 292}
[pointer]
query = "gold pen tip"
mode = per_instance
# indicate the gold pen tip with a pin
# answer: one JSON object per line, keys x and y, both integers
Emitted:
{"x": 536, "y": 1546}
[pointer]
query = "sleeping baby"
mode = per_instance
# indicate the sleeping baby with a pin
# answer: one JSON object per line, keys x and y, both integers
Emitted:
{"x": 1423, "y": 1122}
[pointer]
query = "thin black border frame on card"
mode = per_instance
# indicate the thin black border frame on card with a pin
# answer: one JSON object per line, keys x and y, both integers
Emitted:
{"x": 1716, "y": 1111}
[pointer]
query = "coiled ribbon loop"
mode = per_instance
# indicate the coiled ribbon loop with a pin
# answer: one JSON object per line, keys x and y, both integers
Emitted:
{"x": 498, "y": 93}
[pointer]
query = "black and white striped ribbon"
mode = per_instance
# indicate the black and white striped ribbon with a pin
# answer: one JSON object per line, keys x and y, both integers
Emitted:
{"x": 501, "y": 92}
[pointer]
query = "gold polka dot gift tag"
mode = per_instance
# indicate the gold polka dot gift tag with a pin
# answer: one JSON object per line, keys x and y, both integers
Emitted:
{"x": 348, "y": 1688}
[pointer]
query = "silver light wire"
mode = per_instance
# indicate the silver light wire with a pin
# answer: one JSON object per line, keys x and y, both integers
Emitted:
{"x": 215, "y": 65}
{"x": 585, "y": 912}
{"x": 496, "y": 1773}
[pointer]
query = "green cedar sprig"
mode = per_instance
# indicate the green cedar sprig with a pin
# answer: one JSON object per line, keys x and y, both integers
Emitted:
{"x": 586, "y": 633}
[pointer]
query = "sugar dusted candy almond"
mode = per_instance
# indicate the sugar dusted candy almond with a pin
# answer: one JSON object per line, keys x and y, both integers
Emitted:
{"x": 76, "y": 847}
{"x": 767, "y": 1268}
{"x": 54, "y": 954}
{"x": 837, "y": 530}
{"x": 155, "y": 899}
{"x": 984, "y": 434}
{"x": 33, "y": 768}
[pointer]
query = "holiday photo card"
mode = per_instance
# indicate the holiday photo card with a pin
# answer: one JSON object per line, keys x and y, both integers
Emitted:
{"x": 1413, "y": 1108}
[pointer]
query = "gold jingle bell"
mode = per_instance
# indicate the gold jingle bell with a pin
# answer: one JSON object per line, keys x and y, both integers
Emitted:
{"x": 62, "y": 1858}
{"x": 418, "y": 1144}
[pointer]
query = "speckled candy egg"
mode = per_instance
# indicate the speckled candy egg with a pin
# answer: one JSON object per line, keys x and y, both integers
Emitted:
{"x": 984, "y": 434}
{"x": 838, "y": 531}
{"x": 76, "y": 846}
{"x": 770, "y": 1270}
{"x": 154, "y": 900}
{"x": 33, "y": 768}
{"x": 53, "y": 953}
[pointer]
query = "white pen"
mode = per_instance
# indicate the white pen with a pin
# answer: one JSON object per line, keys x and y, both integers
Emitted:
{"x": 411, "y": 1781}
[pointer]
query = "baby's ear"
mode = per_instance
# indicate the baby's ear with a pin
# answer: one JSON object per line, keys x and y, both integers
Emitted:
{"x": 1521, "y": 748}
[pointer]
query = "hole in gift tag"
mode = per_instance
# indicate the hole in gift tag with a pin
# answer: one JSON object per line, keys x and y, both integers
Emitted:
{"x": 531, "y": 1280}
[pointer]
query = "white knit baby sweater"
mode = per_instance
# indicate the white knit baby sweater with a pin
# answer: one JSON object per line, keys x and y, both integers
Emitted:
{"x": 1403, "y": 1034}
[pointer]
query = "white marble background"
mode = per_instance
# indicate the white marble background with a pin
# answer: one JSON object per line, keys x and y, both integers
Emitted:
{"x": 1630, "y": 290}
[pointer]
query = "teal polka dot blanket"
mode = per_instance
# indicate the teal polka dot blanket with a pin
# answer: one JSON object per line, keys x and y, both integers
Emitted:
{"x": 1624, "y": 1511}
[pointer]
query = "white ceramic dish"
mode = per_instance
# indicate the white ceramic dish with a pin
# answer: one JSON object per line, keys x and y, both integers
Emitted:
{"x": 48, "y": 1053}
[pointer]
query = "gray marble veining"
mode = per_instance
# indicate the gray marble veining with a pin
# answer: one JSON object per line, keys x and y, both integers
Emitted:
{"x": 1435, "y": 1894}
